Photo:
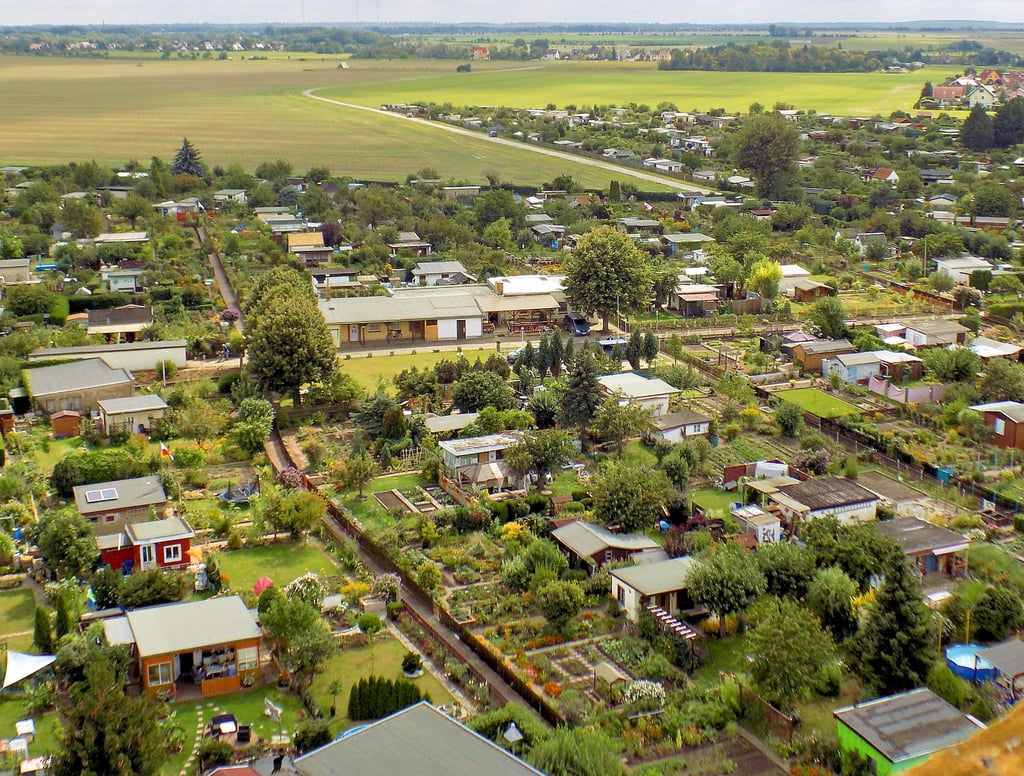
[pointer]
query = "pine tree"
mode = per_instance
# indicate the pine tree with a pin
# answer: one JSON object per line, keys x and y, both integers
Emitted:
{"x": 569, "y": 352}
{"x": 188, "y": 161}
{"x": 557, "y": 354}
{"x": 897, "y": 646}
{"x": 43, "y": 635}
{"x": 583, "y": 395}
{"x": 634, "y": 349}
{"x": 65, "y": 621}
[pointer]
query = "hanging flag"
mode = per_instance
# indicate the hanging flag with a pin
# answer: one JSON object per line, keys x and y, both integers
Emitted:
{"x": 165, "y": 451}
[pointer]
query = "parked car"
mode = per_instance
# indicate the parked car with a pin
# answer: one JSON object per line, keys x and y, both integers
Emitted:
{"x": 576, "y": 324}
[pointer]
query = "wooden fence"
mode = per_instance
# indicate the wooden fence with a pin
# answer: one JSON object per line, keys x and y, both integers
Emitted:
{"x": 755, "y": 709}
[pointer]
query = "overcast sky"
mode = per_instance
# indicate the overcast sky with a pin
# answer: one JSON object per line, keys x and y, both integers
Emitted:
{"x": 18, "y": 12}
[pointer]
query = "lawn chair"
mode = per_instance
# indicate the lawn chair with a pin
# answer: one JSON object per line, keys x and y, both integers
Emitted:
{"x": 244, "y": 734}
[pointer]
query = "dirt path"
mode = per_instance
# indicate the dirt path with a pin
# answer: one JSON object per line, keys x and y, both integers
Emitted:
{"x": 611, "y": 167}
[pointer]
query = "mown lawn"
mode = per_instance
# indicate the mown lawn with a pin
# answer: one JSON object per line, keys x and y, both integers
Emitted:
{"x": 17, "y": 612}
{"x": 818, "y": 403}
{"x": 714, "y": 501}
{"x": 282, "y": 562}
{"x": 349, "y": 665}
{"x": 12, "y": 709}
{"x": 369, "y": 371}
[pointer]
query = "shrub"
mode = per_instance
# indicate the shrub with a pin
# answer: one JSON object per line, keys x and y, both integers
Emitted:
{"x": 377, "y": 697}
{"x": 552, "y": 689}
{"x": 213, "y": 752}
{"x": 411, "y": 663}
{"x": 311, "y": 734}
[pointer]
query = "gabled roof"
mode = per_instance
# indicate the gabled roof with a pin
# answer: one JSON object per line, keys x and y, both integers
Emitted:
{"x": 678, "y": 419}
{"x": 633, "y": 386}
{"x": 1013, "y": 410}
{"x": 936, "y": 327}
{"x": 438, "y": 267}
{"x": 828, "y": 492}
{"x": 99, "y": 350}
{"x": 587, "y": 539}
{"x": 184, "y": 627}
{"x": 118, "y": 494}
{"x": 909, "y": 725}
{"x": 417, "y": 741}
{"x": 74, "y": 376}
{"x": 856, "y": 359}
{"x": 655, "y": 578}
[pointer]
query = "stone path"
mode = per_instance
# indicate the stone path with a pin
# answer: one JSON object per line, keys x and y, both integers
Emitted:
{"x": 200, "y": 732}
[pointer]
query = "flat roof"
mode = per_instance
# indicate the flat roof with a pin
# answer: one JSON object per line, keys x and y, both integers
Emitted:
{"x": 118, "y": 494}
{"x": 516, "y": 285}
{"x": 158, "y": 530}
{"x": 185, "y": 627}
{"x": 654, "y": 578}
{"x": 909, "y": 725}
{"x": 480, "y": 444}
{"x": 438, "y": 424}
{"x": 678, "y": 419}
{"x": 1007, "y": 657}
{"x": 495, "y": 304}
{"x": 828, "y": 492}
{"x": 99, "y": 350}
{"x": 888, "y": 488}
{"x": 918, "y": 536}
{"x": 633, "y": 386}
{"x": 938, "y": 326}
{"x": 142, "y": 403}
{"x": 419, "y": 740}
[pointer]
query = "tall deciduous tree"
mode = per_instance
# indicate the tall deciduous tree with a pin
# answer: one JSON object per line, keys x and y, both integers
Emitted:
{"x": 767, "y": 146}
{"x": 725, "y": 581}
{"x": 764, "y": 278}
{"x": 787, "y": 568}
{"x": 606, "y": 273}
{"x": 66, "y": 543}
{"x": 617, "y": 419}
{"x": 540, "y": 452}
{"x": 789, "y": 651}
{"x": 289, "y": 345}
{"x": 629, "y": 496}
{"x": 1008, "y": 126}
{"x": 188, "y": 161}
{"x": 978, "y": 131}
{"x": 830, "y": 597}
{"x": 896, "y": 645}
{"x": 829, "y": 317}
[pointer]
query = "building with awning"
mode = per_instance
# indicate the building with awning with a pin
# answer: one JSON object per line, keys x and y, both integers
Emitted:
{"x": 499, "y": 310}
{"x": 694, "y": 300}
{"x": 1008, "y": 659}
{"x": 931, "y": 548}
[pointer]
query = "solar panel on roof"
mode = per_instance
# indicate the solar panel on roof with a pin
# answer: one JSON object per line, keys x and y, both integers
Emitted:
{"x": 100, "y": 495}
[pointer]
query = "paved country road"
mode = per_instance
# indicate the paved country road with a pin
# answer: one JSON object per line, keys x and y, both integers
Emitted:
{"x": 440, "y": 125}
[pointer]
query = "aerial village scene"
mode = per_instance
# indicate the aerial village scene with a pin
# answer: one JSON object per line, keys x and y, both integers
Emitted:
{"x": 560, "y": 396}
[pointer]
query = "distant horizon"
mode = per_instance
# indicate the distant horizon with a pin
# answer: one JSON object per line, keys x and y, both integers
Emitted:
{"x": 492, "y": 12}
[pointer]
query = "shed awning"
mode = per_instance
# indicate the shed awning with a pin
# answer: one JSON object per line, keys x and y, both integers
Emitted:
{"x": 504, "y": 304}
{"x": 700, "y": 296}
{"x": 1007, "y": 657}
{"x": 21, "y": 666}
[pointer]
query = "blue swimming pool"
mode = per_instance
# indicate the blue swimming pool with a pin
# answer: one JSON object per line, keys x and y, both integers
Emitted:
{"x": 964, "y": 661}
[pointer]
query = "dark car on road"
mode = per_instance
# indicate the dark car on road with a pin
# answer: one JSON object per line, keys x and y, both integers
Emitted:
{"x": 576, "y": 324}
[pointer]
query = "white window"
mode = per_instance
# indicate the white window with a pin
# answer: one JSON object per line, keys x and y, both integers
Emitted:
{"x": 146, "y": 554}
{"x": 172, "y": 553}
{"x": 160, "y": 673}
{"x": 248, "y": 658}
{"x": 373, "y": 328}
{"x": 1000, "y": 426}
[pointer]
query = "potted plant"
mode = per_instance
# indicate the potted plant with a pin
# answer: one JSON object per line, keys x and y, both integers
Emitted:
{"x": 284, "y": 681}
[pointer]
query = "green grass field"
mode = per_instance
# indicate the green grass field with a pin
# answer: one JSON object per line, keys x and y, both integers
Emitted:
{"x": 535, "y": 84}
{"x": 352, "y": 664}
{"x": 17, "y": 612}
{"x": 818, "y": 403}
{"x": 253, "y": 111}
{"x": 369, "y": 371}
{"x": 281, "y": 562}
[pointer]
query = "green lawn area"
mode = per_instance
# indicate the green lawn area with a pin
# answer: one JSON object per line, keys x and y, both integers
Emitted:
{"x": 17, "y": 612}
{"x": 47, "y": 726}
{"x": 816, "y": 713}
{"x": 282, "y": 562}
{"x": 818, "y": 403}
{"x": 368, "y": 372}
{"x": 714, "y": 500}
{"x": 352, "y": 664}
{"x": 728, "y": 655}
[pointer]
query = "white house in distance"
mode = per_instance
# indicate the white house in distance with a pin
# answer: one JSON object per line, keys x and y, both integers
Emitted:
{"x": 961, "y": 267}
{"x": 677, "y": 426}
{"x": 653, "y": 394}
{"x": 662, "y": 584}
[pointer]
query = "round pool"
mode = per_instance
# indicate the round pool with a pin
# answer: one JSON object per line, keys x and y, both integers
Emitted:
{"x": 964, "y": 661}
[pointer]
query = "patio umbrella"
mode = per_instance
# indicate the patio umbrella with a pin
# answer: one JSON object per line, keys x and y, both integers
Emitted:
{"x": 262, "y": 584}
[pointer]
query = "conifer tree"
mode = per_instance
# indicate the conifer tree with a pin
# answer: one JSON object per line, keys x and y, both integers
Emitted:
{"x": 188, "y": 161}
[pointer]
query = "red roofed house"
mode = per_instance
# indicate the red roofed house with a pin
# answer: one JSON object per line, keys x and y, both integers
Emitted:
{"x": 884, "y": 175}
